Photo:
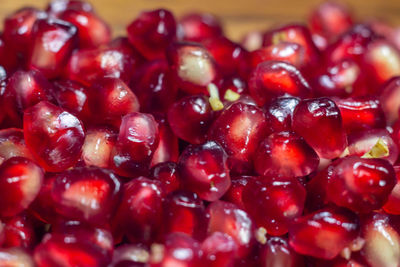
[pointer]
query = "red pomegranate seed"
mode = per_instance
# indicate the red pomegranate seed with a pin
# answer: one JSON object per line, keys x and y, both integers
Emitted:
{"x": 19, "y": 232}
{"x": 279, "y": 112}
{"x": 17, "y": 31}
{"x": 12, "y": 144}
{"x": 20, "y": 182}
{"x": 130, "y": 255}
{"x": 226, "y": 218}
{"x": 276, "y": 78}
{"x": 193, "y": 67}
{"x": 25, "y": 89}
{"x": 375, "y": 143}
{"x": 392, "y": 205}
{"x": 16, "y": 257}
{"x": 382, "y": 241}
{"x": 167, "y": 173}
{"x": 190, "y": 118}
{"x": 389, "y": 99}
{"x": 382, "y": 61}
{"x": 360, "y": 184}
{"x": 86, "y": 194}
{"x": 56, "y": 7}
{"x": 298, "y": 34}
{"x": 231, "y": 58}
{"x": 239, "y": 129}
{"x": 291, "y": 53}
{"x": 283, "y": 198}
{"x": 197, "y": 27}
{"x": 52, "y": 44}
{"x": 110, "y": 99}
{"x": 167, "y": 149}
{"x": 361, "y": 113}
{"x": 137, "y": 140}
{"x": 139, "y": 215}
{"x": 73, "y": 97}
{"x": 285, "y": 154}
{"x": 152, "y": 32}
{"x": 53, "y": 136}
{"x": 98, "y": 145}
{"x": 235, "y": 192}
{"x": 92, "y": 30}
{"x": 204, "y": 170}
{"x": 330, "y": 19}
{"x": 86, "y": 66}
{"x": 178, "y": 250}
{"x": 231, "y": 88}
{"x": 218, "y": 250}
{"x": 154, "y": 86}
{"x": 312, "y": 117}
{"x": 342, "y": 78}
{"x": 8, "y": 58}
{"x": 184, "y": 212}
{"x": 324, "y": 233}
{"x": 277, "y": 252}
{"x": 75, "y": 245}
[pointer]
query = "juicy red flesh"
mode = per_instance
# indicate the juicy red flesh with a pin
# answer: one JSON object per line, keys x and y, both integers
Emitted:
{"x": 199, "y": 27}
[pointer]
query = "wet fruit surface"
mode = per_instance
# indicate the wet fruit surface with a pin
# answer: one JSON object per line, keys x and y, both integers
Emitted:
{"x": 174, "y": 145}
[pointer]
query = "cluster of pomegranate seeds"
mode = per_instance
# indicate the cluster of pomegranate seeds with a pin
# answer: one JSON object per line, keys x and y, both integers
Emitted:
{"x": 176, "y": 146}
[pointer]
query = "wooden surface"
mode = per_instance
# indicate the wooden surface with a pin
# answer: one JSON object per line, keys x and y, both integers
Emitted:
{"x": 238, "y": 16}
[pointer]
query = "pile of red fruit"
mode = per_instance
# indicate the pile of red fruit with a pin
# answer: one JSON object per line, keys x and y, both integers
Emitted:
{"x": 178, "y": 147}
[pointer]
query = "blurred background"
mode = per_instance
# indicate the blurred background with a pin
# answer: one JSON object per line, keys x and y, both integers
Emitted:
{"x": 238, "y": 16}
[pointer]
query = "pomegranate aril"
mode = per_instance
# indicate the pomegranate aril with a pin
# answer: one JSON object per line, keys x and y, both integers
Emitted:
{"x": 330, "y": 19}
{"x": 389, "y": 99}
{"x": 140, "y": 211}
{"x": 137, "y": 140}
{"x": 73, "y": 97}
{"x": 231, "y": 88}
{"x": 231, "y": 58}
{"x": 168, "y": 147}
{"x": 392, "y": 205}
{"x": 227, "y": 218}
{"x": 87, "y": 194}
{"x": 154, "y": 86}
{"x": 184, "y": 212}
{"x": 312, "y": 117}
{"x": 285, "y": 154}
{"x": 239, "y": 129}
{"x": 52, "y": 44}
{"x": 56, "y": 7}
{"x": 324, "y": 233}
{"x": 360, "y": 184}
{"x": 382, "y": 242}
{"x": 110, "y": 99}
{"x": 204, "y": 170}
{"x": 130, "y": 255}
{"x": 374, "y": 143}
{"x": 98, "y": 145}
{"x": 19, "y": 232}
{"x": 283, "y": 198}
{"x": 167, "y": 173}
{"x": 218, "y": 250}
{"x": 92, "y": 30}
{"x": 235, "y": 192}
{"x": 53, "y": 136}
{"x": 86, "y": 66}
{"x": 178, "y": 250}
{"x": 193, "y": 67}
{"x": 197, "y": 27}
{"x": 12, "y": 144}
{"x": 190, "y": 118}
{"x": 291, "y": 53}
{"x": 152, "y": 32}
{"x": 277, "y": 78}
{"x": 17, "y": 32}
{"x": 361, "y": 113}
{"x": 20, "y": 182}
{"x": 277, "y": 252}
{"x": 279, "y": 112}
{"x": 16, "y": 257}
